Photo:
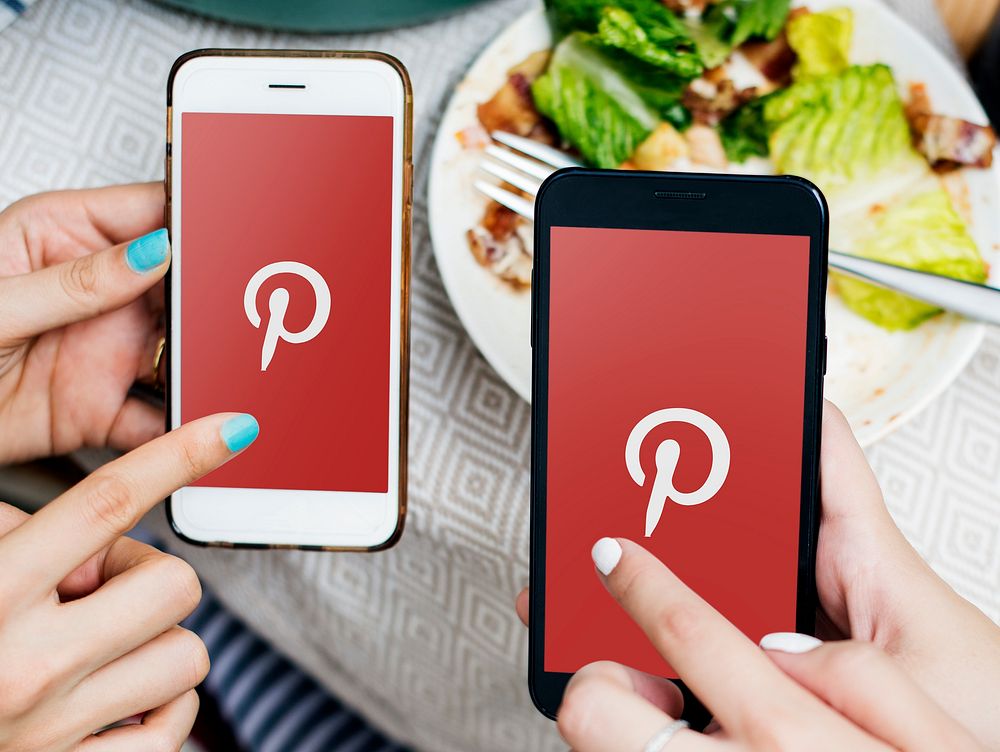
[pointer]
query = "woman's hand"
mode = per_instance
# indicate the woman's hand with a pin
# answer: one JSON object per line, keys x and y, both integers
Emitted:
{"x": 88, "y": 618}
{"x": 836, "y": 697}
{"x": 76, "y": 327}
{"x": 873, "y": 587}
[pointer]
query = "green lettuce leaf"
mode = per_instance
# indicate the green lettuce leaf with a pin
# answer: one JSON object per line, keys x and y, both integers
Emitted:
{"x": 644, "y": 29}
{"x": 744, "y": 133}
{"x": 620, "y": 30}
{"x": 662, "y": 26}
{"x": 822, "y": 42}
{"x": 922, "y": 231}
{"x": 713, "y": 49}
{"x": 841, "y": 128}
{"x": 661, "y": 90}
{"x": 727, "y": 24}
{"x": 596, "y": 108}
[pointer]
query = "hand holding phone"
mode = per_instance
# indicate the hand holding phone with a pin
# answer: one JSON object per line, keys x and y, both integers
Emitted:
{"x": 900, "y": 605}
{"x": 61, "y": 306}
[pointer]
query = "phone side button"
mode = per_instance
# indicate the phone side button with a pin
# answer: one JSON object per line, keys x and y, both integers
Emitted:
{"x": 532, "y": 303}
{"x": 166, "y": 188}
{"x": 825, "y": 343}
{"x": 533, "y": 327}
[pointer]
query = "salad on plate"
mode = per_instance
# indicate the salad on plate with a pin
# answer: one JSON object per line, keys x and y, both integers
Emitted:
{"x": 751, "y": 86}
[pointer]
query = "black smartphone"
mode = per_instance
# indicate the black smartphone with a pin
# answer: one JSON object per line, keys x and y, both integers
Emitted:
{"x": 679, "y": 350}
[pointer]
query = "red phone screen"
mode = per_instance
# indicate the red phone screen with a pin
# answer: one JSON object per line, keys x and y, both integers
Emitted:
{"x": 676, "y": 378}
{"x": 300, "y": 203}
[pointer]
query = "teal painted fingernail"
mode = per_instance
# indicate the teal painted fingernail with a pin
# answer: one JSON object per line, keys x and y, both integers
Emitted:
{"x": 239, "y": 432}
{"x": 148, "y": 252}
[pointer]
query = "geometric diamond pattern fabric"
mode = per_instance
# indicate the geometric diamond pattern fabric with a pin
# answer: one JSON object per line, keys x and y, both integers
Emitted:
{"x": 423, "y": 638}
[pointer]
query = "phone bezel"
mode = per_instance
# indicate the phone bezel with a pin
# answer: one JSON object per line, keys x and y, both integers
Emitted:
{"x": 315, "y": 62}
{"x": 579, "y": 197}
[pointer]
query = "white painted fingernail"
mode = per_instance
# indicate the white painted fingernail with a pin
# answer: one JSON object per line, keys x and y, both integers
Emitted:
{"x": 789, "y": 642}
{"x": 606, "y": 553}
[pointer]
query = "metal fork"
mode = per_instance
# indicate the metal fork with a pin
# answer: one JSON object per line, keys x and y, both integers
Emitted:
{"x": 526, "y": 163}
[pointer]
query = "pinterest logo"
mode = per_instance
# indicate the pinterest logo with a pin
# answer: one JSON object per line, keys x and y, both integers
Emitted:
{"x": 277, "y": 305}
{"x": 668, "y": 454}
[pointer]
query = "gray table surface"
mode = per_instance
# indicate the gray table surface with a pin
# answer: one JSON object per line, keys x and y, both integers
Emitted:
{"x": 423, "y": 638}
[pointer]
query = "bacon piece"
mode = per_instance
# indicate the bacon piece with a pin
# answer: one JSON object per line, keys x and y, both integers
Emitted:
{"x": 506, "y": 259}
{"x": 686, "y": 6}
{"x": 715, "y": 75}
{"x": 502, "y": 246}
{"x": 512, "y": 108}
{"x": 500, "y": 221}
{"x": 710, "y": 102}
{"x": 501, "y": 242}
{"x": 774, "y": 59}
{"x": 947, "y": 142}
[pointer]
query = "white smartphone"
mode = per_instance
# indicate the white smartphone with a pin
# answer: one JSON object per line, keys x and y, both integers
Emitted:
{"x": 289, "y": 184}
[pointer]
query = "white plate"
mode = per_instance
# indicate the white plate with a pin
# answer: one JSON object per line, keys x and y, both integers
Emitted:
{"x": 879, "y": 379}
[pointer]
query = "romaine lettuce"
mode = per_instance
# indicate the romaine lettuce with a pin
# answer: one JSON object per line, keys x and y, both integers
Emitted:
{"x": 595, "y": 107}
{"x": 841, "y": 128}
{"x": 727, "y": 24}
{"x": 847, "y": 133}
{"x": 620, "y": 30}
{"x": 645, "y": 29}
{"x": 740, "y": 20}
{"x": 662, "y": 26}
{"x": 744, "y": 133}
{"x": 658, "y": 89}
{"x": 822, "y": 42}
{"x": 920, "y": 231}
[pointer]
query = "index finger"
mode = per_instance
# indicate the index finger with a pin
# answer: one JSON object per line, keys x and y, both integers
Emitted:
{"x": 718, "y": 662}
{"x": 98, "y": 216}
{"x": 121, "y": 212}
{"x": 80, "y": 221}
{"x": 112, "y": 500}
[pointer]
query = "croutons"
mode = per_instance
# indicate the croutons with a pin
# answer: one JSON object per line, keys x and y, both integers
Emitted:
{"x": 662, "y": 148}
{"x": 512, "y": 108}
{"x": 706, "y": 147}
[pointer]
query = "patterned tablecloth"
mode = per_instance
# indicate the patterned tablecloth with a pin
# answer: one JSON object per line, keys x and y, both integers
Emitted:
{"x": 423, "y": 638}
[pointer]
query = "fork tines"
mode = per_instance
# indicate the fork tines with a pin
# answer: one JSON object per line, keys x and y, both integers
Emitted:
{"x": 524, "y": 170}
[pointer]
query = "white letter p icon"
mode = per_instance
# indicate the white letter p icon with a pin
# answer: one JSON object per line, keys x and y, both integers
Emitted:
{"x": 278, "y": 304}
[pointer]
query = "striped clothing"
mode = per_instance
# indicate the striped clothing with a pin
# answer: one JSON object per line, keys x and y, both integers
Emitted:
{"x": 270, "y": 704}
{"x": 11, "y": 9}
